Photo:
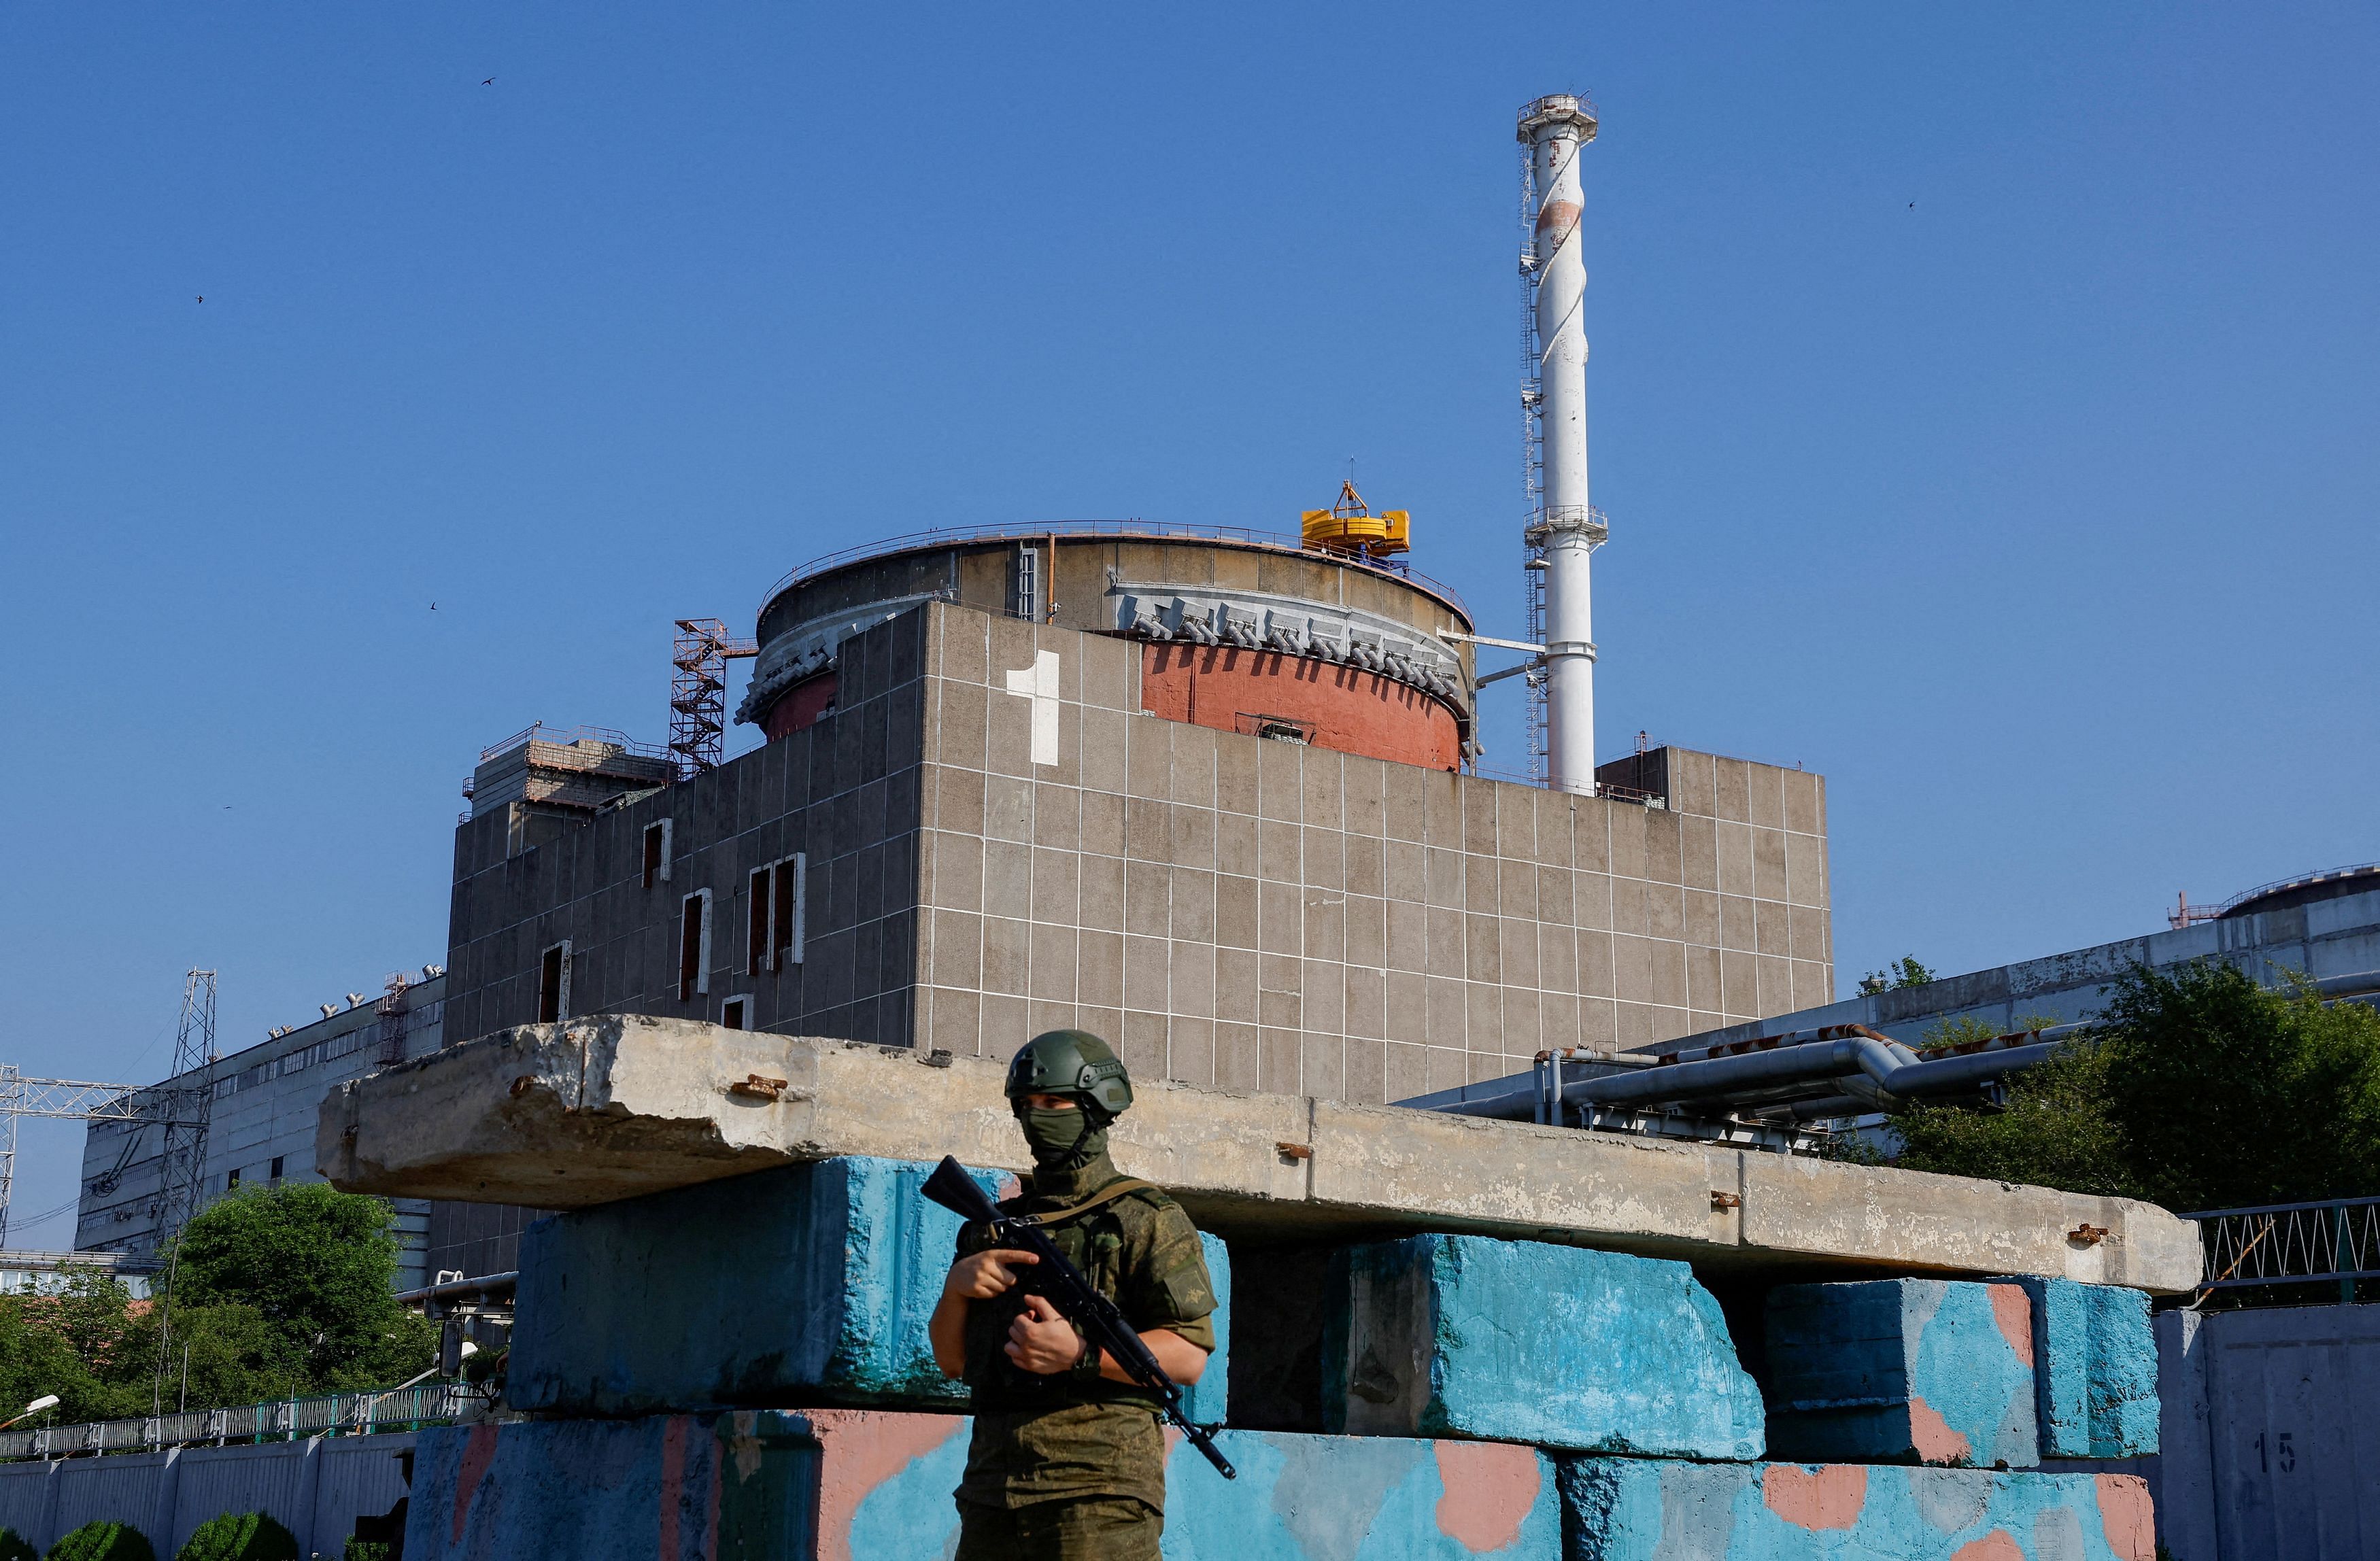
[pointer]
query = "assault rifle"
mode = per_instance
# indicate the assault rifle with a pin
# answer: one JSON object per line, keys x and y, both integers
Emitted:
{"x": 1064, "y": 1287}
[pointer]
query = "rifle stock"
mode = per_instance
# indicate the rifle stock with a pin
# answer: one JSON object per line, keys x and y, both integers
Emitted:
{"x": 1063, "y": 1286}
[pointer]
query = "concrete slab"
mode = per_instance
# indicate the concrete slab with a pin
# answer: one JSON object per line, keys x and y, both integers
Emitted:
{"x": 861, "y": 1485}
{"x": 1631, "y": 1509}
{"x": 573, "y": 1115}
{"x": 2095, "y": 1369}
{"x": 1524, "y": 1341}
{"x": 1902, "y": 1371}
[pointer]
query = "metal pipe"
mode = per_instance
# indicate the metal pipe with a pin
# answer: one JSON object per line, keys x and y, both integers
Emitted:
{"x": 1554, "y": 129}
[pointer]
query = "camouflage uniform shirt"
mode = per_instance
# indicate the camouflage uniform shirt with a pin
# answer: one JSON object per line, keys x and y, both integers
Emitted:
{"x": 1075, "y": 1435}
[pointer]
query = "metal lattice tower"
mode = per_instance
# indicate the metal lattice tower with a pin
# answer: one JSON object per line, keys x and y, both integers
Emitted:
{"x": 698, "y": 692}
{"x": 78, "y": 1100}
{"x": 182, "y": 1177}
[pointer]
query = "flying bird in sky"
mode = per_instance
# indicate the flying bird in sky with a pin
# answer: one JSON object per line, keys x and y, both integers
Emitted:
{"x": 489, "y": 82}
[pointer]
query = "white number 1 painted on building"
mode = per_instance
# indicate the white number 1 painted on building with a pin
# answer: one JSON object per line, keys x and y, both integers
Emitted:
{"x": 1038, "y": 682}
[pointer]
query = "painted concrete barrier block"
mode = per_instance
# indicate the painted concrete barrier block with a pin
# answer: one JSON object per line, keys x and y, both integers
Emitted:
{"x": 1624, "y": 1509}
{"x": 875, "y": 1485}
{"x": 810, "y": 1284}
{"x": 1902, "y": 1371}
{"x": 1526, "y": 1341}
{"x": 2095, "y": 1369}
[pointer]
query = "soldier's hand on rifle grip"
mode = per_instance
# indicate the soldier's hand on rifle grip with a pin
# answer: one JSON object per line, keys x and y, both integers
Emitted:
{"x": 981, "y": 1275}
{"x": 1041, "y": 1340}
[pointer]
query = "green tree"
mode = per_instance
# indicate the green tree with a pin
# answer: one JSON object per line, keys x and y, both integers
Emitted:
{"x": 15, "y": 1546}
{"x": 2195, "y": 1089}
{"x": 317, "y": 1266}
{"x": 275, "y": 1292}
{"x": 1902, "y": 972}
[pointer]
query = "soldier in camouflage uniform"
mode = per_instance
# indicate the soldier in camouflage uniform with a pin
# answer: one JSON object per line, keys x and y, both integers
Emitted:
{"x": 1067, "y": 1461}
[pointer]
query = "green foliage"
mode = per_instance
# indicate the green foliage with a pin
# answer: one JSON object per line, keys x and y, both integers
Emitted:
{"x": 246, "y": 1536}
{"x": 2197, "y": 1089}
{"x": 318, "y": 1266}
{"x": 277, "y": 1293}
{"x": 2053, "y": 1133}
{"x": 367, "y": 1550}
{"x": 15, "y": 1546}
{"x": 1902, "y": 972}
{"x": 103, "y": 1542}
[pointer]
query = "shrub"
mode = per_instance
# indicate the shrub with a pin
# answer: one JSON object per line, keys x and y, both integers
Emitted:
{"x": 103, "y": 1542}
{"x": 367, "y": 1550}
{"x": 14, "y": 1546}
{"x": 244, "y": 1536}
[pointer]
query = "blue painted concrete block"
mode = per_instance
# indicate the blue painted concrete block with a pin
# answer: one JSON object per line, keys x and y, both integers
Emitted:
{"x": 1525, "y": 1341}
{"x": 870, "y": 1485}
{"x": 2095, "y": 1369}
{"x": 1627, "y": 1509}
{"x": 811, "y": 1284}
{"x": 1902, "y": 1371}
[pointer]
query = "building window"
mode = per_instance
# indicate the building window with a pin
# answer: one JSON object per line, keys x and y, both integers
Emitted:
{"x": 787, "y": 914}
{"x": 657, "y": 852}
{"x": 735, "y": 1013}
{"x": 231, "y": 1179}
{"x": 756, "y": 923}
{"x": 773, "y": 931}
{"x": 553, "y": 985}
{"x": 694, "y": 945}
{"x": 276, "y": 1168}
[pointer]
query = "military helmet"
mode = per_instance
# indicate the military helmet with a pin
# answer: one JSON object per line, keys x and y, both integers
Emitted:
{"x": 1070, "y": 1062}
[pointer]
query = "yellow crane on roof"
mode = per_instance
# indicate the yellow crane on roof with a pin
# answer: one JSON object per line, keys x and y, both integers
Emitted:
{"x": 1349, "y": 526}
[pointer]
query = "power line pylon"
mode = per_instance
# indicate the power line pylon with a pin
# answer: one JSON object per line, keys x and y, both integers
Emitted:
{"x": 184, "y": 1168}
{"x": 698, "y": 692}
{"x": 183, "y": 1176}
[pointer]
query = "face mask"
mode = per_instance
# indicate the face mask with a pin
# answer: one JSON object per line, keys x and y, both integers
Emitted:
{"x": 1060, "y": 1140}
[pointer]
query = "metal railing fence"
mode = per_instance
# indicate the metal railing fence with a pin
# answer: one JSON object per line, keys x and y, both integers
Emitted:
{"x": 343, "y": 1414}
{"x": 2332, "y": 1240}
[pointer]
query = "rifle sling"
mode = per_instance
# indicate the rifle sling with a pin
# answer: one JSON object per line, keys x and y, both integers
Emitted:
{"x": 1101, "y": 1199}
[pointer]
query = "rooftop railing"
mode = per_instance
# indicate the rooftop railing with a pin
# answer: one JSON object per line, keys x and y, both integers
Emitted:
{"x": 1118, "y": 529}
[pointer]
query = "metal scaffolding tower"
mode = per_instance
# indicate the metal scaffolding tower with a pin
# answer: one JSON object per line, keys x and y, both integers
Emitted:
{"x": 75, "y": 1099}
{"x": 698, "y": 692}
{"x": 187, "y": 1107}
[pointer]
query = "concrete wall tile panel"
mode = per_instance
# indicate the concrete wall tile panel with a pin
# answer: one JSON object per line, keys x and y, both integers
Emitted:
{"x": 1237, "y": 985}
{"x": 1768, "y": 863}
{"x": 1526, "y": 1341}
{"x": 1192, "y": 779}
{"x": 1236, "y": 1055}
{"x": 1629, "y": 1510}
{"x": 1190, "y": 1050}
{"x": 2095, "y": 1369}
{"x": 1627, "y": 847}
{"x": 1903, "y": 1370}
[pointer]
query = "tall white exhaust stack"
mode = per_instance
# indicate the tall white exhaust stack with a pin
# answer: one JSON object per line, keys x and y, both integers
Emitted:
{"x": 1568, "y": 528}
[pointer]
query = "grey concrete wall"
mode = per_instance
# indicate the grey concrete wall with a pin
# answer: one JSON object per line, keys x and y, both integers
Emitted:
{"x": 316, "y": 1489}
{"x": 1256, "y": 915}
{"x": 845, "y": 793}
{"x": 1234, "y": 911}
{"x": 2271, "y": 1434}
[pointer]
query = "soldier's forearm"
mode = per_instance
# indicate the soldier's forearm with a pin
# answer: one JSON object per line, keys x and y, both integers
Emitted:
{"x": 1182, "y": 1361}
{"x": 947, "y": 1330}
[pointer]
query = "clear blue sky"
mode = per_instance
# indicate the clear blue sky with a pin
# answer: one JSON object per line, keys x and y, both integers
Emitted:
{"x": 1984, "y": 399}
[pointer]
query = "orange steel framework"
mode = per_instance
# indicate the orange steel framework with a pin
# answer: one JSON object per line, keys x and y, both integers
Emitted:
{"x": 698, "y": 692}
